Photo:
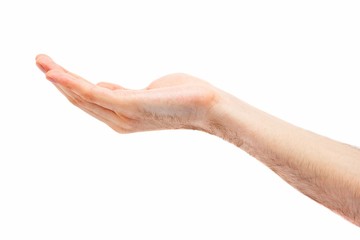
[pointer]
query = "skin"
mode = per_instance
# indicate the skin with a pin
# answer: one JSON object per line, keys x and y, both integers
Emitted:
{"x": 323, "y": 169}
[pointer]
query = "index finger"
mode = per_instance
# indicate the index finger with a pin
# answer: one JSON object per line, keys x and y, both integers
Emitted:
{"x": 84, "y": 89}
{"x": 45, "y": 64}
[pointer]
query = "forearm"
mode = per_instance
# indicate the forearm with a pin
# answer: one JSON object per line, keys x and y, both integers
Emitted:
{"x": 323, "y": 169}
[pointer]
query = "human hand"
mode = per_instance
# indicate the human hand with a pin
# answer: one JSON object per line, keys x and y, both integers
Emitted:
{"x": 171, "y": 102}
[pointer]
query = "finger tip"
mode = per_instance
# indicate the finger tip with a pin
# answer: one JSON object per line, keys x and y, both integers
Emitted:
{"x": 45, "y": 63}
{"x": 53, "y": 72}
{"x": 41, "y": 60}
{"x": 39, "y": 56}
{"x": 52, "y": 75}
{"x": 41, "y": 67}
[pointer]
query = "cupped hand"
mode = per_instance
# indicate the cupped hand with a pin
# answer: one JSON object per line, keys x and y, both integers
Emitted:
{"x": 171, "y": 102}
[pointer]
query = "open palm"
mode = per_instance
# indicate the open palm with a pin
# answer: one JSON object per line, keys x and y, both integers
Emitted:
{"x": 171, "y": 102}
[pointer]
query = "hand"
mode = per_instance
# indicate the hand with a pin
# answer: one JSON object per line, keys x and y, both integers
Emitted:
{"x": 171, "y": 102}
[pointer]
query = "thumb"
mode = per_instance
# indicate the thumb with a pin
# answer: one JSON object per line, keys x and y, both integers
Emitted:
{"x": 110, "y": 86}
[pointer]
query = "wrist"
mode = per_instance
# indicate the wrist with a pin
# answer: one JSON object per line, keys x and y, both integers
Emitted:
{"x": 227, "y": 117}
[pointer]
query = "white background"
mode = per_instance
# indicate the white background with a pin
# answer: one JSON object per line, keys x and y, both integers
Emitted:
{"x": 64, "y": 175}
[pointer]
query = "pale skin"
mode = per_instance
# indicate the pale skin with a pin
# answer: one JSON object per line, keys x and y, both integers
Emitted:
{"x": 323, "y": 169}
